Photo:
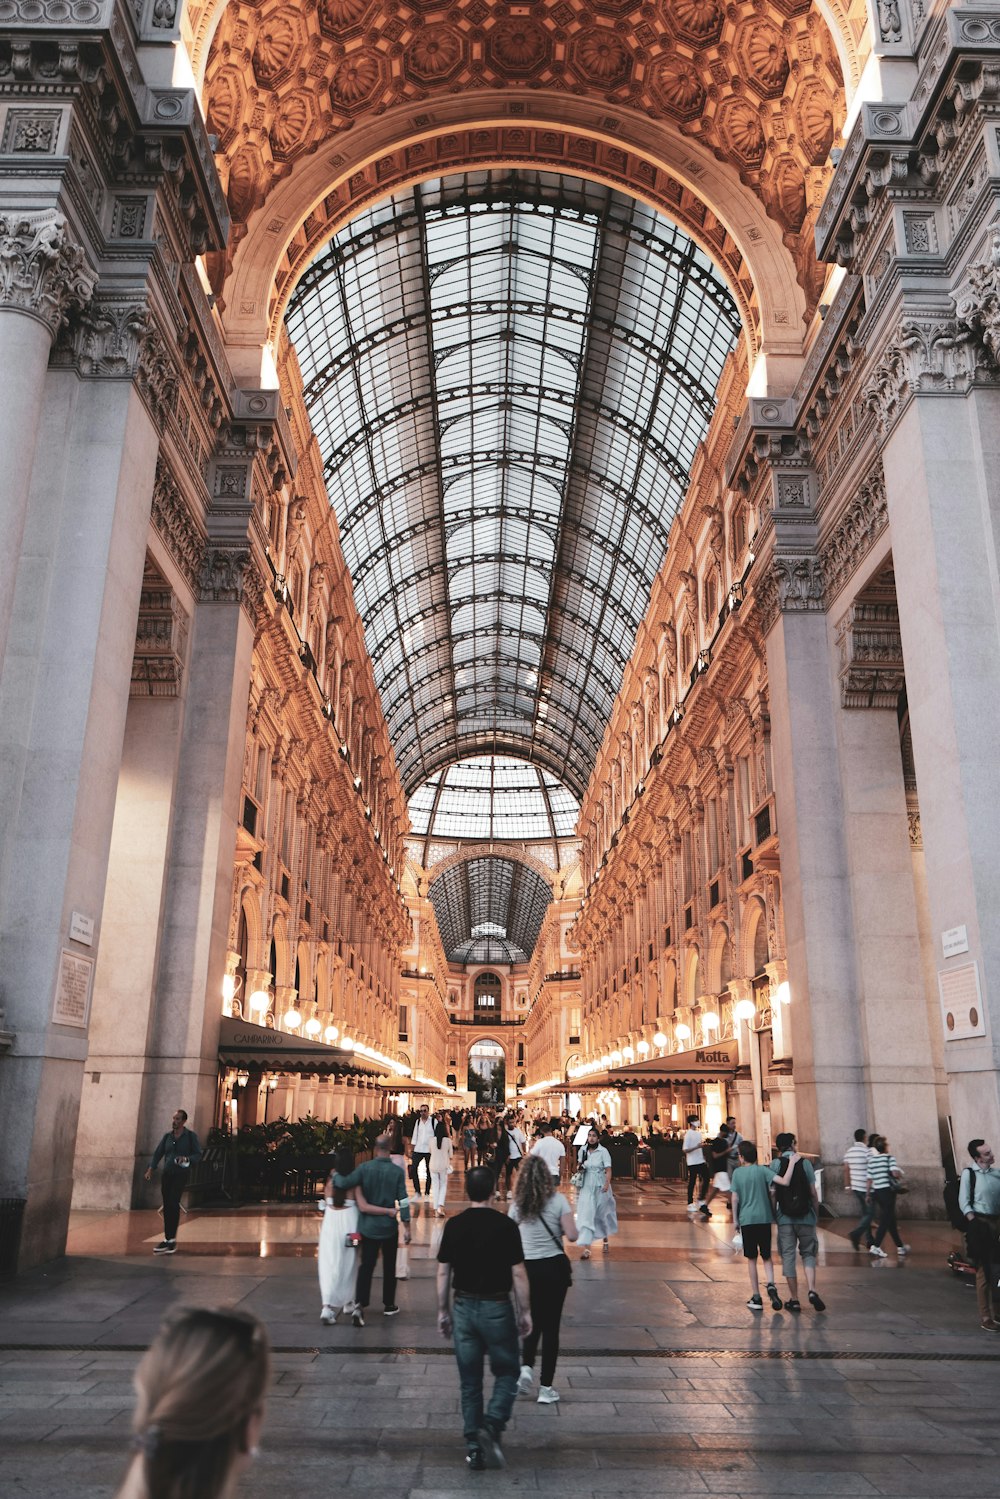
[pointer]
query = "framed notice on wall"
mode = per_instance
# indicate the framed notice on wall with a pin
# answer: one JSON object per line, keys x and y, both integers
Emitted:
{"x": 73, "y": 989}
{"x": 961, "y": 1002}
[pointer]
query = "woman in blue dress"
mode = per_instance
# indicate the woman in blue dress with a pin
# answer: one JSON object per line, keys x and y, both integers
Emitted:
{"x": 596, "y": 1213}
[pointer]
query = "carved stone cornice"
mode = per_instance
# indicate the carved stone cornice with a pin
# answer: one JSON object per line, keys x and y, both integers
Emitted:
{"x": 176, "y": 525}
{"x": 978, "y": 305}
{"x": 42, "y": 273}
{"x": 871, "y": 655}
{"x": 790, "y": 583}
{"x": 856, "y": 532}
{"x": 927, "y": 353}
{"x": 160, "y": 642}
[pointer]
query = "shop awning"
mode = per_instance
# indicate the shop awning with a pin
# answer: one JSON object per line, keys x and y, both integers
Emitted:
{"x": 720, "y": 1061}
{"x": 258, "y": 1049}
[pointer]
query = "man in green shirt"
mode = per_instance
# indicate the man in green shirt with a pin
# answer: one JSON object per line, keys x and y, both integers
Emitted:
{"x": 384, "y": 1186}
{"x": 753, "y": 1216}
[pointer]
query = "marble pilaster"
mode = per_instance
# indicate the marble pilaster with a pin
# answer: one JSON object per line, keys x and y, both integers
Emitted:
{"x": 79, "y": 580}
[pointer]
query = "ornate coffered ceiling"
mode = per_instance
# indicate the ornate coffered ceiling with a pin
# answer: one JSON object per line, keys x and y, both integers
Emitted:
{"x": 756, "y": 82}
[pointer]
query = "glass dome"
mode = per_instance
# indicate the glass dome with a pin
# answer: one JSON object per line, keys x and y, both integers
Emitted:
{"x": 492, "y": 798}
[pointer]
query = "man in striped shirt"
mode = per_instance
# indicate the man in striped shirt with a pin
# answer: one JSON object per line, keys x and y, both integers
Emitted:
{"x": 856, "y": 1181}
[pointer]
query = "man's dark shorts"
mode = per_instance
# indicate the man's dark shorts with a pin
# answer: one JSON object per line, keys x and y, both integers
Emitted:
{"x": 756, "y": 1240}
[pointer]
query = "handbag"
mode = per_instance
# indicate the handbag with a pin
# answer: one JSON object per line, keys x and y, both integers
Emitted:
{"x": 576, "y": 1180}
{"x": 352, "y": 1241}
{"x": 568, "y": 1265}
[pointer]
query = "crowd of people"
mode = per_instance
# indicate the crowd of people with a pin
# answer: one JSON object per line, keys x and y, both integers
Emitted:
{"x": 502, "y": 1278}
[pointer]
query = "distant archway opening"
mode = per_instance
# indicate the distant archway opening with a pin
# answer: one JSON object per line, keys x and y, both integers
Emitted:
{"x": 487, "y": 1073}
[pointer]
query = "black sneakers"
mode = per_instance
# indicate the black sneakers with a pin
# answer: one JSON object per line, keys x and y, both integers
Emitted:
{"x": 775, "y": 1299}
{"x": 475, "y": 1460}
{"x": 390, "y": 1311}
{"x": 166, "y": 1246}
{"x": 816, "y": 1302}
{"x": 490, "y": 1447}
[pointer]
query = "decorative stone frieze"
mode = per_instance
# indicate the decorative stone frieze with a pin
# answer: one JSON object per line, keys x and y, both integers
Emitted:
{"x": 856, "y": 532}
{"x": 871, "y": 655}
{"x": 42, "y": 273}
{"x": 978, "y": 306}
{"x": 176, "y": 525}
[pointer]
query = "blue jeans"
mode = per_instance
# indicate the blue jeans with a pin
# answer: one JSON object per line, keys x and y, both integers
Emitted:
{"x": 484, "y": 1328}
{"x": 864, "y": 1228}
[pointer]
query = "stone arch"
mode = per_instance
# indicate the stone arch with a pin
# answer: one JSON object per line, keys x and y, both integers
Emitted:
{"x": 669, "y": 988}
{"x": 509, "y": 851}
{"x": 249, "y": 909}
{"x": 754, "y": 920}
{"x": 284, "y": 967}
{"x": 678, "y": 177}
{"x": 692, "y": 960}
{"x": 715, "y": 980}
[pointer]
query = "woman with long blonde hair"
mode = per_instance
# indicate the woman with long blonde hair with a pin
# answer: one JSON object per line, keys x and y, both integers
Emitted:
{"x": 543, "y": 1215}
{"x": 201, "y": 1388}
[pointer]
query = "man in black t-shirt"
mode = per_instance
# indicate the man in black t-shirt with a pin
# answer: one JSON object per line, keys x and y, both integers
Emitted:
{"x": 481, "y": 1261}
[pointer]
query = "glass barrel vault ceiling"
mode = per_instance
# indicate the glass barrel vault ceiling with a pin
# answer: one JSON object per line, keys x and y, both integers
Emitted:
{"x": 489, "y": 910}
{"x": 508, "y": 373}
{"x": 492, "y": 798}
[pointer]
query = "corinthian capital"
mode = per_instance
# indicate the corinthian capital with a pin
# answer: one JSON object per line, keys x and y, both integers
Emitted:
{"x": 978, "y": 307}
{"x": 41, "y": 272}
{"x": 927, "y": 354}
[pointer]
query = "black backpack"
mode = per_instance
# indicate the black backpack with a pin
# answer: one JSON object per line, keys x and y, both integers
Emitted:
{"x": 795, "y": 1200}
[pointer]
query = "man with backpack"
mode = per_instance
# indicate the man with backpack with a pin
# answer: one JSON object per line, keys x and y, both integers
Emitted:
{"x": 979, "y": 1204}
{"x": 797, "y": 1203}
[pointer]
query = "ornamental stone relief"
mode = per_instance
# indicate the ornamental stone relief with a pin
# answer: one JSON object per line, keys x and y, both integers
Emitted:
{"x": 756, "y": 82}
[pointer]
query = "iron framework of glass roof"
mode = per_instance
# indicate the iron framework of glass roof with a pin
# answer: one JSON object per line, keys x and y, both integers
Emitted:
{"x": 508, "y": 374}
{"x": 493, "y": 798}
{"x": 489, "y": 910}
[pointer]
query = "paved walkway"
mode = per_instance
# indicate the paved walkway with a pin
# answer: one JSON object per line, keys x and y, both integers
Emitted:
{"x": 670, "y": 1385}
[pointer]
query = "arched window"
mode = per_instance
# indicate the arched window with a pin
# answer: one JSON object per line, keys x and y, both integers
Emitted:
{"x": 761, "y": 951}
{"x": 487, "y": 993}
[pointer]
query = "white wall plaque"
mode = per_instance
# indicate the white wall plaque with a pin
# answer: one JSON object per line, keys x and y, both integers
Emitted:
{"x": 81, "y": 929}
{"x": 73, "y": 986}
{"x": 954, "y": 941}
{"x": 961, "y": 1002}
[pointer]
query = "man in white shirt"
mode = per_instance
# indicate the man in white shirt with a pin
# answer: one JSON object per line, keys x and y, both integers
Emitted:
{"x": 420, "y": 1142}
{"x": 551, "y": 1150}
{"x": 697, "y": 1169}
{"x": 856, "y": 1181}
{"x": 511, "y": 1148}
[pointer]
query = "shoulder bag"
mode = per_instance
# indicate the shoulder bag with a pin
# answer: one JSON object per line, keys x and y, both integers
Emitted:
{"x": 567, "y": 1267}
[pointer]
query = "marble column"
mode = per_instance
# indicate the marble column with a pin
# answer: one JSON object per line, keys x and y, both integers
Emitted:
{"x": 199, "y": 882}
{"x": 43, "y": 277}
{"x": 898, "y": 1067}
{"x": 941, "y": 458}
{"x": 67, "y": 677}
{"x": 819, "y": 923}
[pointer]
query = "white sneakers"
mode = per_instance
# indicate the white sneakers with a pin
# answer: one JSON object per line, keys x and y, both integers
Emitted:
{"x": 903, "y": 1249}
{"x": 328, "y": 1315}
{"x": 877, "y": 1253}
{"x": 525, "y": 1379}
{"x": 547, "y": 1395}
{"x": 692, "y": 1207}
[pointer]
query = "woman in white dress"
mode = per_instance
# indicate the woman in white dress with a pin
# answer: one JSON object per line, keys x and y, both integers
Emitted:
{"x": 338, "y": 1258}
{"x": 596, "y": 1212}
{"x": 442, "y": 1150}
